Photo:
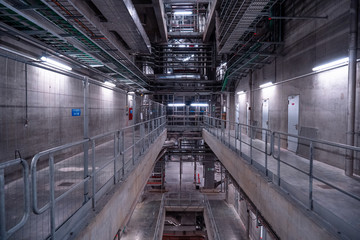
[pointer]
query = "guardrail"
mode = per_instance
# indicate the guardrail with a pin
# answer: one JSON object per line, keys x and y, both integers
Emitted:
{"x": 4, "y": 233}
{"x": 64, "y": 188}
{"x": 244, "y": 140}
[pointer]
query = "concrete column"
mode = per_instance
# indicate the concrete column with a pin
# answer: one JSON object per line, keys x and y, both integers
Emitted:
{"x": 351, "y": 107}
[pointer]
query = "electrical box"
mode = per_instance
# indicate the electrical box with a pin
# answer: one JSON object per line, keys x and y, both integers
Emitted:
{"x": 130, "y": 113}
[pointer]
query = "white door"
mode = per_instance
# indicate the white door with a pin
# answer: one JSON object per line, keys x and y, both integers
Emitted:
{"x": 293, "y": 122}
{"x": 265, "y": 117}
{"x": 237, "y": 115}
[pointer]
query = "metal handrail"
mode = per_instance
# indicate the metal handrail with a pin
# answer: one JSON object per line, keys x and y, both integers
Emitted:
{"x": 3, "y": 233}
{"x": 118, "y": 150}
{"x": 276, "y": 156}
{"x": 212, "y": 219}
{"x": 159, "y": 222}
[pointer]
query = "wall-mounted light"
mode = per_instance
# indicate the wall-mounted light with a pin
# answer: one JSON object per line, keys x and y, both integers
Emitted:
{"x": 199, "y": 104}
{"x": 109, "y": 84}
{"x": 54, "y": 63}
{"x": 241, "y": 92}
{"x": 176, "y": 104}
{"x": 332, "y": 64}
{"x": 131, "y": 92}
{"x": 183, "y": 13}
{"x": 268, "y": 84}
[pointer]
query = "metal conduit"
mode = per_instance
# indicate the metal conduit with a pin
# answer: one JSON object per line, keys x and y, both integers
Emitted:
{"x": 351, "y": 106}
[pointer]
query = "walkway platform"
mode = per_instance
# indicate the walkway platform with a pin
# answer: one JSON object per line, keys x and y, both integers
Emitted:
{"x": 330, "y": 202}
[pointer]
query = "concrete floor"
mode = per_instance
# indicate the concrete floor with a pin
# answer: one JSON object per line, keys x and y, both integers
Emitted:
{"x": 338, "y": 209}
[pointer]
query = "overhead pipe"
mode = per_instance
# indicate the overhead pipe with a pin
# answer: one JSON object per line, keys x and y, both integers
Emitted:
{"x": 351, "y": 106}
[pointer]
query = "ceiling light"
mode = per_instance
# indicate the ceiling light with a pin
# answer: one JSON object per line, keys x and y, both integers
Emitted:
{"x": 55, "y": 63}
{"x": 199, "y": 104}
{"x": 96, "y": 65}
{"x": 241, "y": 92}
{"x": 332, "y": 64}
{"x": 268, "y": 84}
{"x": 176, "y": 104}
{"x": 183, "y": 13}
{"x": 110, "y": 84}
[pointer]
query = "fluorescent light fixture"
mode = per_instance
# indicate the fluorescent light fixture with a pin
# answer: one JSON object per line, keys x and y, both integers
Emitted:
{"x": 176, "y": 104}
{"x": 241, "y": 92}
{"x": 131, "y": 92}
{"x": 55, "y": 63}
{"x": 268, "y": 84}
{"x": 109, "y": 84}
{"x": 96, "y": 65}
{"x": 182, "y": 45}
{"x": 332, "y": 64}
{"x": 183, "y": 13}
{"x": 199, "y": 104}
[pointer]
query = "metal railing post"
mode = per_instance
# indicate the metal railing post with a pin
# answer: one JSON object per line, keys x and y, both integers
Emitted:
{"x": 229, "y": 127}
{"x": 133, "y": 146}
{"x": 240, "y": 140}
{"x": 251, "y": 144}
{"x": 93, "y": 182}
{"x": 115, "y": 157}
{"x": 52, "y": 195}
{"x": 266, "y": 153}
{"x": 278, "y": 165}
{"x": 2, "y": 206}
{"x": 236, "y": 136}
{"x": 122, "y": 149}
{"x": 311, "y": 176}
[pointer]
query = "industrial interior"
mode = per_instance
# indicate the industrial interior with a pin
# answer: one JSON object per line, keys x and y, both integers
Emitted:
{"x": 179, "y": 119}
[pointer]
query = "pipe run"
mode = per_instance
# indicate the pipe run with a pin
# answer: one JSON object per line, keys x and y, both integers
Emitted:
{"x": 351, "y": 106}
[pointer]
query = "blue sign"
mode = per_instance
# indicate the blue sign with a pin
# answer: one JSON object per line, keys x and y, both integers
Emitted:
{"x": 75, "y": 112}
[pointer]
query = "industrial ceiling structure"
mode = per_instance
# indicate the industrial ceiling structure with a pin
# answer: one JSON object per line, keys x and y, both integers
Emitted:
{"x": 157, "y": 47}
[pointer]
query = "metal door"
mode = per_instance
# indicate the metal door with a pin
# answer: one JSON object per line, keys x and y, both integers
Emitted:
{"x": 293, "y": 122}
{"x": 265, "y": 117}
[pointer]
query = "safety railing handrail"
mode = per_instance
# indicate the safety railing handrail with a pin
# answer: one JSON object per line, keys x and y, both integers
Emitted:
{"x": 159, "y": 222}
{"x": 160, "y": 123}
{"x": 334, "y": 144}
{"x": 5, "y": 234}
{"x": 311, "y": 141}
{"x": 212, "y": 219}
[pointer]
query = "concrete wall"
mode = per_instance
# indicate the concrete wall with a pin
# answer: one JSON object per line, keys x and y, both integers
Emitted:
{"x": 287, "y": 217}
{"x": 51, "y": 97}
{"x": 323, "y": 96}
{"x": 106, "y": 222}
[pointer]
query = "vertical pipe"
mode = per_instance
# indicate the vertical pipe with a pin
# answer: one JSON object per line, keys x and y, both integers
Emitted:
{"x": 52, "y": 196}
{"x": 86, "y": 136}
{"x": 2, "y": 206}
{"x": 353, "y": 39}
